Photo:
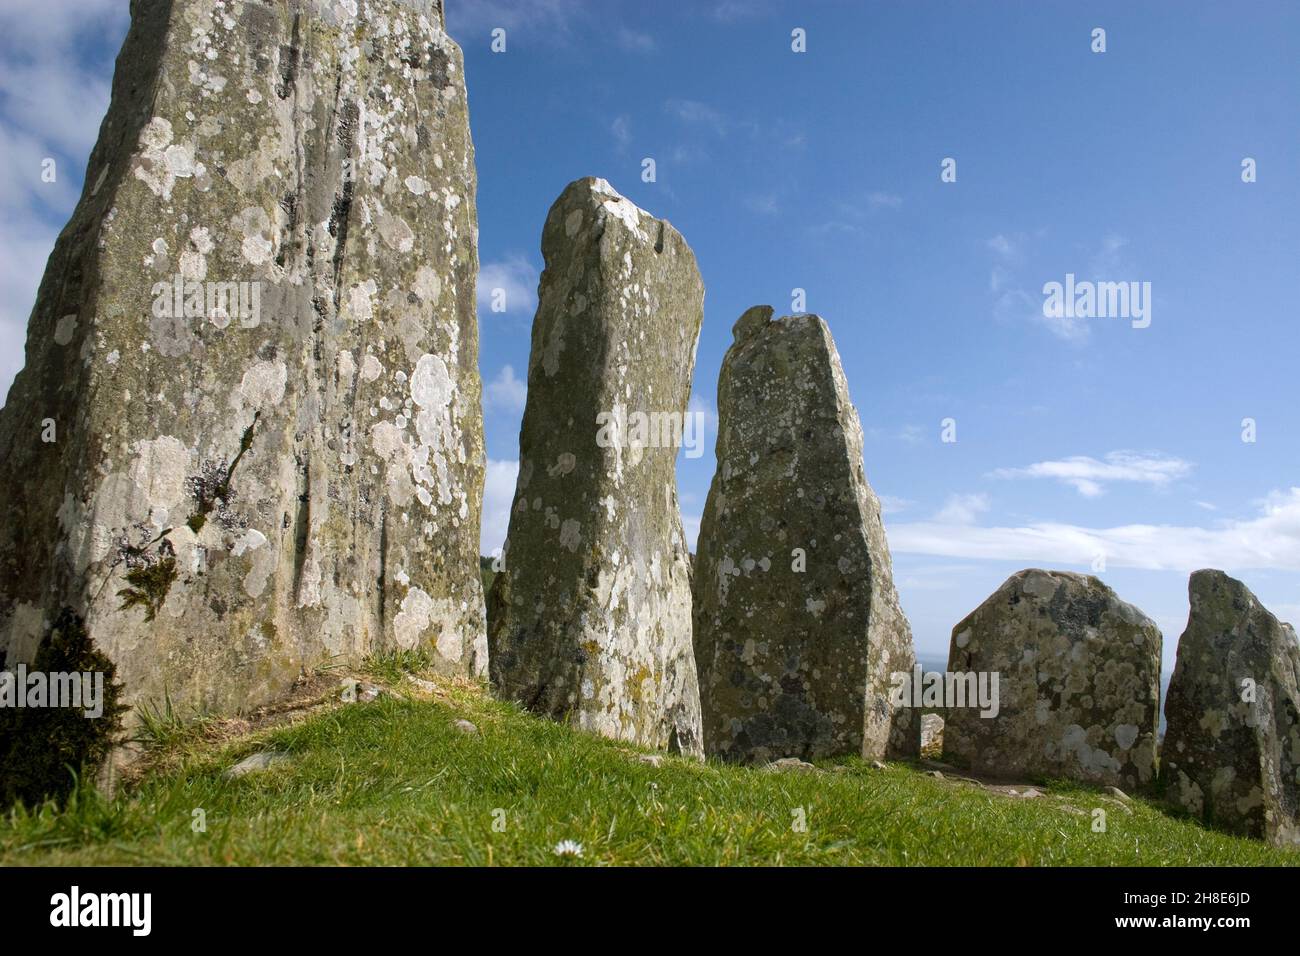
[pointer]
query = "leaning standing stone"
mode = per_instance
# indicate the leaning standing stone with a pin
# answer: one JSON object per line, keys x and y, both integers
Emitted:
{"x": 798, "y": 629}
{"x": 1078, "y": 683}
{"x": 1231, "y": 753}
{"x": 591, "y": 617}
{"x": 248, "y": 436}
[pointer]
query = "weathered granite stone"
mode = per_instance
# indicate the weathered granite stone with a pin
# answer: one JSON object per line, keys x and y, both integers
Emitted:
{"x": 932, "y": 733}
{"x": 1078, "y": 683}
{"x": 591, "y": 616}
{"x": 1231, "y": 753}
{"x": 286, "y": 464}
{"x": 797, "y": 626}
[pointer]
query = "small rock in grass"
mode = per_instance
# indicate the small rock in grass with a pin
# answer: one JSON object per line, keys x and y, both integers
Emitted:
{"x": 465, "y": 727}
{"x": 255, "y": 762}
{"x": 789, "y": 764}
{"x": 427, "y": 686}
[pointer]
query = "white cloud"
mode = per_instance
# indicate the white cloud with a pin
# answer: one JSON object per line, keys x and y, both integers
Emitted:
{"x": 962, "y": 509}
{"x": 53, "y": 97}
{"x": 1088, "y": 475}
{"x": 732, "y": 11}
{"x": 547, "y": 19}
{"x": 764, "y": 204}
{"x": 498, "y": 495}
{"x": 697, "y": 404}
{"x": 635, "y": 41}
{"x": 1007, "y": 248}
{"x": 884, "y": 200}
{"x": 892, "y": 505}
{"x": 505, "y": 392}
{"x": 691, "y": 528}
{"x": 622, "y": 130}
{"x": 516, "y": 277}
{"x": 1107, "y": 262}
{"x": 912, "y": 434}
{"x": 695, "y": 113}
{"x": 1269, "y": 540}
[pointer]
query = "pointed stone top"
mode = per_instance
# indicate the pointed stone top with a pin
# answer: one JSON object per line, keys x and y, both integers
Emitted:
{"x": 595, "y": 193}
{"x": 752, "y": 322}
{"x": 1210, "y": 587}
{"x": 344, "y": 11}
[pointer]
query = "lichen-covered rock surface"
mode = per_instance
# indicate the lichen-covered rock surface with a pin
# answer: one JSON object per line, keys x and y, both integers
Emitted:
{"x": 1231, "y": 753}
{"x": 1078, "y": 683}
{"x": 797, "y": 625}
{"x": 591, "y": 616}
{"x": 255, "y": 350}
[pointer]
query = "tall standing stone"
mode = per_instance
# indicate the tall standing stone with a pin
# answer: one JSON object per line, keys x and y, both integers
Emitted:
{"x": 591, "y": 617}
{"x": 1231, "y": 753}
{"x": 798, "y": 629}
{"x": 248, "y": 435}
{"x": 1078, "y": 693}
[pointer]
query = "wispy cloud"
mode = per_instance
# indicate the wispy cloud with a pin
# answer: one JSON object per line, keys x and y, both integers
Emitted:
{"x": 883, "y": 200}
{"x": 498, "y": 496}
{"x": 892, "y": 504}
{"x": 549, "y": 20}
{"x": 695, "y": 113}
{"x": 515, "y": 278}
{"x": 1271, "y": 539}
{"x": 621, "y": 129}
{"x": 505, "y": 392}
{"x": 1088, "y": 476}
{"x": 962, "y": 509}
{"x": 54, "y": 91}
{"x": 733, "y": 11}
{"x": 635, "y": 41}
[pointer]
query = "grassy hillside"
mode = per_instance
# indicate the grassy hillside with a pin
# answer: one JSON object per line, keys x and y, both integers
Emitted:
{"x": 395, "y": 781}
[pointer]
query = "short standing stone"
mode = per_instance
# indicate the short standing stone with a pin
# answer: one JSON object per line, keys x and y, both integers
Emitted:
{"x": 591, "y": 615}
{"x": 1078, "y": 692}
{"x": 1231, "y": 753}
{"x": 257, "y": 338}
{"x": 798, "y": 629}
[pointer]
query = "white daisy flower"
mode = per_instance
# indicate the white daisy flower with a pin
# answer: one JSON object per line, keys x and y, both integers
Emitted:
{"x": 568, "y": 848}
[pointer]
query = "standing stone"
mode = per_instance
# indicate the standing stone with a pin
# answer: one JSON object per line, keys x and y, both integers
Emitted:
{"x": 255, "y": 350}
{"x": 797, "y": 626}
{"x": 1231, "y": 754}
{"x": 591, "y": 617}
{"x": 1078, "y": 683}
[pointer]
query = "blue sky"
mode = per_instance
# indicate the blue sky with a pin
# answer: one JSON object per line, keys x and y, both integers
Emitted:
{"x": 820, "y": 171}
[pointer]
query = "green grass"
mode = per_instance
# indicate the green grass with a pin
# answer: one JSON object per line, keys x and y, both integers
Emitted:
{"x": 394, "y": 782}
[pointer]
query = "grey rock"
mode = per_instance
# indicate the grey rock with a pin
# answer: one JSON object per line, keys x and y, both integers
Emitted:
{"x": 255, "y": 763}
{"x": 789, "y": 765}
{"x": 423, "y": 686}
{"x": 466, "y": 727}
{"x": 797, "y": 625}
{"x": 1118, "y": 794}
{"x": 878, "y": 765}
{"x": 591, "y": 616}
{"x": 1078, "y": 683}
{"x": 1231, "y": 753}
{"x": 293, "y": 473}
{"x": 931, "y": 732}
